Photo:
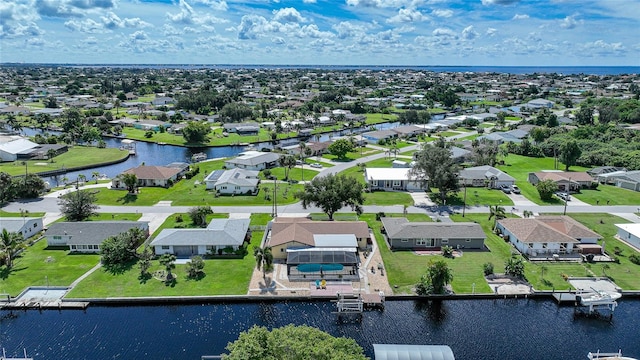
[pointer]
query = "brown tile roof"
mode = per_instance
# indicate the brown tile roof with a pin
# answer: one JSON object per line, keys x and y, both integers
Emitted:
{"x": 152, "y": 172}
{"x": 569, "y": 226}
{"x": 564, "y": 175}
{"x": 532, "y": 230}
{"x": 301, "y": 230}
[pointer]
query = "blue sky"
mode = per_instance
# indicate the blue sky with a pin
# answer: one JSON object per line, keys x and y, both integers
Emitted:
{"x": 345, "y": 32}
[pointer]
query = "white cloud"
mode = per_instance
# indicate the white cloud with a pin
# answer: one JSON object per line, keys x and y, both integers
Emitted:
{"x": 313, "y": 31}
{"x": 499, "y": 2}
{"x": 309, "y": 1}
{"x": 288, "y": 15}
{"x": 469, "y": 33}
{"x": 278, "y": 40}
{"x": 384, "y": 3}
{"x": 444, "y": 33}
{"x": 346, "y": 29}
{"x": 37, "y": 42}
{"x": 569, "y": 22}
{"x": 520, "y": 16}
{"x": 254, "y": 26}
{"x": 89, "y": 26}
{"x": 216, "y": 5}
{"x": 407, "y": 15}
{"x": 444, "y": 13}
{"x": 113, "y": 21}
{"x": 188, "y": 16}
{"x": 491, "y": 31}
{"x": 602, "y": 47}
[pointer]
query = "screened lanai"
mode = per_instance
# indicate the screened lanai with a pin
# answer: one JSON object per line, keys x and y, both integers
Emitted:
{"x": 322, "y": 262}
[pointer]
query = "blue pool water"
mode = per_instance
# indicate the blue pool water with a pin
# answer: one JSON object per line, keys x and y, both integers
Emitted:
{"x": 309, "y": 268}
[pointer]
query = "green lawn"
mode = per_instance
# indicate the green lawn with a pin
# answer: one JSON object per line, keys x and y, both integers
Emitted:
{"x": 17, "y": 214}
{"x": 447, "y": 133}
{"x": 399, "y": 144}
{"x": 187, "y": 193}
{"x": 76, "y": 156}
{"x": 520, "y": 166}
{"x": 608, "y": 194}
{"x": 470, "y": 137}
{"x": 387, "y": 198}
{"x": 295, "y": 173}
{"x": 377, "y": 118}
{"x": 475, "y": 197}
{"x": 36, "y": 265}
{"x": 350, "y": 156}
{"x": 222, "y": 277}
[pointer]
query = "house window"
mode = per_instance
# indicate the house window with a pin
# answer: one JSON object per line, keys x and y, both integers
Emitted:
{"x": 405, "y": 240}
{"x": 396, "y": 182}
{"x": 544, "y": 245}
{"x": 421, "y": 242}
{"x": 57, "y": 238}
{"x": 467, "y": 240}
{"x": 165, "y": 247}
{"x": 445, "y": 241}
{"x": 72, "y": 247}
{"x": 237, "y": 187}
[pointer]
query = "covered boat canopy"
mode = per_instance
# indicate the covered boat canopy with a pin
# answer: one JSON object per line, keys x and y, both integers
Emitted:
{"x": 412, "y": 352}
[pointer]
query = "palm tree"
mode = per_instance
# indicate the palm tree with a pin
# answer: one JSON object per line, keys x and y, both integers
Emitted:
{"x": 10, "y": 243}
{"x": 95, "y": 175}
{"x": 82, "y": 178}
{"x": 264, "y": 260}
{"x": 527, "y": 214}
{"x": 497, "y": 213}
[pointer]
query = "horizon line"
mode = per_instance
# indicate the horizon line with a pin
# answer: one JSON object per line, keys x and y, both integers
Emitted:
{"x": 316, "y": 65}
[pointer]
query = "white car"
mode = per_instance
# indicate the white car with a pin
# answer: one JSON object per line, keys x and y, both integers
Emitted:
{"x": 316, "y": 165}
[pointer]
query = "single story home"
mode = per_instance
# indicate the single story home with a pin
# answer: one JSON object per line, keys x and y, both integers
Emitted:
{"x": 629, "y": 180}
{"x": 161, "y": 176}
{"x": 87, "y": 236}
{"x": 540, "y": 104}
{"x": 253, "y": 160}
{"x": 247, "y": 128}
{"x": 374, "y": 137}
{"x": 217, "y": 236}
{"x": 391, "y": 179}
{"x": 486, "y": 175}
{"x": 500, "y": 137}
{"x": 233, "y": 182}
{"x": 408, "y": 131}
{"x": 27, "y": 226}
{"x": 566, "y": 180}
{"x": 285, "y": 233}
{"x": 547, "y": 235}
{"x": 601, "y": 170}
{"x": 629, "y": 233}
{"x": 404, "y": 235}
{"x": 12, "y": 149}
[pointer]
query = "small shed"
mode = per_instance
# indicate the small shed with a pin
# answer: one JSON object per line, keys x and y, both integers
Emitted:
{"x": 412, "y": 352}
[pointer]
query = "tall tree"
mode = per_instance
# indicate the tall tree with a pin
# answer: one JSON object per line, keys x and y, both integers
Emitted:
{"x": 546, "y": 188}
{"x": 341, "y": 147}
{"x": 435, "y": 167}
{"x": 10, "y": 243}
{"x": 496, "y": 213}
{"x": 95, "y": 175}
{"x": 332, "y": 192}
{"x": 287, "y": 162}
{"x": 569, "y": 153}
{"x": 130, "y": 181}
{"x": 195, "y": 267}
{"x": 78, "y": 205}
{"x": 514, "y": 267}
{"x": 7, "y": 188}
{"x": 264, "y": 260}
{"x": 292, "y": 342}
{"x": 196, "y": 132}
{"x": 435, "y": 281}
{"x": 198, "y": 215}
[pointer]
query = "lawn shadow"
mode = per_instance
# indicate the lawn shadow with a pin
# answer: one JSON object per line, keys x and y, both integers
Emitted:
{"x": 5, "y": 271}
{"x": 200, "y": 276}
{"x": 119, "y": 269}
{"x": 144, "y": 278}
{"x": 129, "y": 198}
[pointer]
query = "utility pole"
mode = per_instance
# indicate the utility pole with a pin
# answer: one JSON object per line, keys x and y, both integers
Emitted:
{"x": 275, "y": 196}
{"x": 464, "y": 201}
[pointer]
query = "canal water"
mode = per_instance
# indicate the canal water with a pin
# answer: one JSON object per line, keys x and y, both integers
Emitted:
{"x": 474, "y": 329}
{"x": 154, "y": 154}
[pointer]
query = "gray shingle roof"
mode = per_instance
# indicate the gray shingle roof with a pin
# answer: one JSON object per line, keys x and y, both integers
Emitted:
{"x": 92, "y": 232}
{"x": 219, "y": 232}
{"x": 239, "y": 177}
{"x": 13, "y": 224}
{"x": 484, "y": 172}
{"x": 401, "y": 228}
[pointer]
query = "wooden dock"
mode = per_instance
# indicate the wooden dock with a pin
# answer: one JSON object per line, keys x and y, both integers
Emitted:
{"x": 373, "y": 300}
{"x": 44, "y": 305}
{"x": 565, "y": 298}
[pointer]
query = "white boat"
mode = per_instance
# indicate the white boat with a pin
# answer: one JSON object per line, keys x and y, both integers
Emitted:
{"x": 198, "y": 157}
{"x": 598, "y": 297}
{"x": 608, "y": 356}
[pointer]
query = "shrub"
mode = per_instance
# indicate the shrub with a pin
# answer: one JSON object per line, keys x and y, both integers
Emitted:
{"x": 635, "y": 259}
{"x": 617, "y": 250}
{"x": 447, "y": 251}
{"x": 179, "y": 218}
{"x": 487, "y": 268}
{"x": 380, "y": 215}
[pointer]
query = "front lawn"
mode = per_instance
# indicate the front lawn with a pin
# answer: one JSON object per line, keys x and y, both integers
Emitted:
{"x": 353, "y": 155}
{"x": 520, "y": 166}
{"x": 384, "y": 198}
{"x": 608, "y": 194}
{"x": 475, "y": 197}
{"x": 38, "y": 266}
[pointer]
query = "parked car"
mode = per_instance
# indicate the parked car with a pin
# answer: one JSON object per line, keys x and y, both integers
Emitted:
{"x": 316, "y": 165}
{"x": 564, "y": 196}
{"x": 515, "y": 189}
{"x": 505, "y": 189}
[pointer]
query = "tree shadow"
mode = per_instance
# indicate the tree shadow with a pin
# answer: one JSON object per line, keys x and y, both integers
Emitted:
{"x": 143, "y": 278}
{"x": 5, "y": 271}
{"x": 127, "y": 199}
{"x": 119, "y": 269}
{"x": 201, "y": 275}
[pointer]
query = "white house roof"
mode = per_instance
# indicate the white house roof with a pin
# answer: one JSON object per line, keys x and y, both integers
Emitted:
{"x": 335, "y": 240}
{"x": 372, "y": 174}
{"x": 253, "y": 158}
{"x": 412, "y": 352}
{"x": 17, "y": 146}
{"x": 14, "y": 224}
{"x": 219, "y": 232}
{"x": 239, "y": 177}
{"x": 633, "y": 229}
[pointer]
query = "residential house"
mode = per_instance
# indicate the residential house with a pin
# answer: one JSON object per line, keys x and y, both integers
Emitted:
{"x": 566, "y": 180}
{"x": 545, "y": 236}
{"x": 374, "y": 137}
{"x": 233, "y": 182}
{"x": 398, "y": 179}
{"x": 540, "y": 104}
{"x": 220, "y": 234}
{"x": 16, "y": 148}
{"x": 500, "y": 137}
{"x": 408, "y": 131}
{"x": 404, "y": 235}
{"x": 162, "y": 100}
{"x": 87, "y": 236}
{"x": 284, "y": 234}
{"x": 629, "y": 180}
{"x": 159, "y": 176}
{"x": 27, "y": 226}
{"x": 253, "y": 160}
{"x": 480, "y": 176}
{"x": 602, "y": 170}
{"x": 629, "y": 233}
{"x": 248, "y": 128}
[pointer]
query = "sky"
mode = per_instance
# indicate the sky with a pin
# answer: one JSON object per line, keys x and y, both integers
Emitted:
{"x": 322, "y": 32}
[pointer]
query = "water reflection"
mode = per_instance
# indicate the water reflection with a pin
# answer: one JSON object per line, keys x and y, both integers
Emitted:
{"x": 435, "y": 310}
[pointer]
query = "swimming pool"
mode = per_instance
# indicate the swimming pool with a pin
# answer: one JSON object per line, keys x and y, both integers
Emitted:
{"x": 311, "y": 268}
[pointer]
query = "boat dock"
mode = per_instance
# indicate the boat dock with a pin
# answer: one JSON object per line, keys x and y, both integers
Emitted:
{"x": 356, "y": 304}
{"x": 4, "y": 356}
{"x": 44, "y": 305}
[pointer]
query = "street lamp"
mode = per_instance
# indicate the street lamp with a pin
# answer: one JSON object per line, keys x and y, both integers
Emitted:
{"x": 275, "y": 196}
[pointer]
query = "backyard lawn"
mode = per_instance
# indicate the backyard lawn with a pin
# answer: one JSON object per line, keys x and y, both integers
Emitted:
{"x": 608, "y": 194}
{"x": 353, "y": 155}
{"x": 76, "y": 156}
{"x": 520, "y": 166}
{"x": 38, "y": 266}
